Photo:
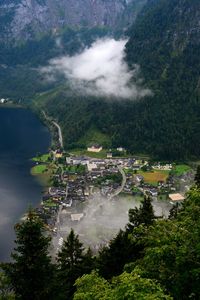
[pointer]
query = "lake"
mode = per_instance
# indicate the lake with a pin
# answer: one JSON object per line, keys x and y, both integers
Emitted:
{"x": 22, "y": 135}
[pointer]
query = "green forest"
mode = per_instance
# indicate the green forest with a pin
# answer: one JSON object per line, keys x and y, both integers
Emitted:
{"x": 164, "y": 125}
{"x": 150, "y": 259}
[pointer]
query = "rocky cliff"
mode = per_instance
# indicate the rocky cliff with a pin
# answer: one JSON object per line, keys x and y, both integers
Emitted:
{"x": 26, "y": 19}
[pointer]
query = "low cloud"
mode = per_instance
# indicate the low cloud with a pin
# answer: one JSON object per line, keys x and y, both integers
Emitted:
{"x": 100, "y": 70}
{"x": 102, "y": 220}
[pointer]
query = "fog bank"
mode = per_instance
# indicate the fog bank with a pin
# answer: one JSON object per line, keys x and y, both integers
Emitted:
{"x": 100, "y": 70}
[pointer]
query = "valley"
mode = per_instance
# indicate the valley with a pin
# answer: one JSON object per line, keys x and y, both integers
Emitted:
{"x": 99, "y": 149}
{"x": 83, "y": 192}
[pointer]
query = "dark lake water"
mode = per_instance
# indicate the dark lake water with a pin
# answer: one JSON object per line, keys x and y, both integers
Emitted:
{"x": 21, "y": 136}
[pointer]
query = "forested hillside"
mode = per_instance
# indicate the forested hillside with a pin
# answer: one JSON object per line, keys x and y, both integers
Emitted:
{"x": 22, "y": 61}
{"x": 164, "y": 41}
{"x": 151, "y": 259}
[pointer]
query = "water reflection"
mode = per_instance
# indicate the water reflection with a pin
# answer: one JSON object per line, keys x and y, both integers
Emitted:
{"x": 21, "y": 136}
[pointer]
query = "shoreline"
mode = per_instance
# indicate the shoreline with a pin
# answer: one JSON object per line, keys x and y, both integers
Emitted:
{"x": 50, "y": 124}
{"x": 50, "y": 121}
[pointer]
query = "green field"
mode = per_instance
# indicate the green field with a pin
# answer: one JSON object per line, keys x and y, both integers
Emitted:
{"x": 41, "y": 158}
{"x": 39, "y": 169}
{"x": 181, "y": 169}
{"x": 50, "y": 203}
{"x": 43, "y": 173}
{"x": 94, "y": 136}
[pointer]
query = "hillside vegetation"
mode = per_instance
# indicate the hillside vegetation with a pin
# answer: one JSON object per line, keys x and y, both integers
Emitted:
{"x": 165, "y": 43}
{"x": 151, "y": 259}
{"x": 166, "y": 124}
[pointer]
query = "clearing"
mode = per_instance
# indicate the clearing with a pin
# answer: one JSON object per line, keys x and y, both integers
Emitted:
{"x": 154, "y": 176}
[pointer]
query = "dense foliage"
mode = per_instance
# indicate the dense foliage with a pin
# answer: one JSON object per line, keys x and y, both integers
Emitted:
{"x": 165, "y": 125}
{"x": 168, "y": 55}
{"x": 151, "y": 259}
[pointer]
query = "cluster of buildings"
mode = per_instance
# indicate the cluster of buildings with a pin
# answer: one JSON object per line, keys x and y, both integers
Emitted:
{"x": 81, "y": 177}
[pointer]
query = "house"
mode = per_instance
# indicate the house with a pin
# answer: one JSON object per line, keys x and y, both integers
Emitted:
{"x": 153, "y": 193}
{"x": 76, "y": 217}
{"x": 91, "y": 166}
{"x": 139, "y": 178}
{"x": 121, "y": 149}
{"x": 2, "y": 100}
{"x": 109, "y": 155}
{"x": 136, "y": 167}
{"x": 67, "y": 203}
{"x": 79, "y": 160}
{"x": 94, "y": 148}
{"x": 176, "y": 198}
{"x": 57, "y": 154}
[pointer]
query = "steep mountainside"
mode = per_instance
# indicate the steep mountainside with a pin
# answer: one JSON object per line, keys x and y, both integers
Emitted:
{"x": 34, "y": 31}
{"x": 28, "y": 19}
{"x": 164, "y": 41}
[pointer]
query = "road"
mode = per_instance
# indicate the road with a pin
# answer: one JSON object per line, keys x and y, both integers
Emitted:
{"x": 120, "y": 189}
{"x": 60, "y": 137}
{"x": 59, "y": 133}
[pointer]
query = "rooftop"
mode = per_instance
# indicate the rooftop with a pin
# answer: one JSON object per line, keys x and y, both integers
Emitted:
{"x": 76, "y": 217}
{"x": 176, "y": 197}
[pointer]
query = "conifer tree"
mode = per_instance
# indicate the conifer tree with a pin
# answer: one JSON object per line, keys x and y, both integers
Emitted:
{"x": 127, "y": 245}
{"x": 71, "y": 253}
{"x": 70, "y": 265}
{"x": 112, "y": 259}
{"x": 31, "y": 271}
{"x": 141, "y": 216}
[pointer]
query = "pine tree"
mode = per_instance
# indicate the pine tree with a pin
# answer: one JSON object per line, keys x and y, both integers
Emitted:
{"x": 89, "y": 262}
{"x": 70, "y": 265}
{"x": 31, "y": 271}
{"x": 112, "y": 259}
{"x": 197, "y": 177}
{"x": 71, "y": 253}
{"x": 141, "y": 216}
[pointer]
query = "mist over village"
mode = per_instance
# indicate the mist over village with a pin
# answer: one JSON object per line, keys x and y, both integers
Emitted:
{"x": 99, "y": 150}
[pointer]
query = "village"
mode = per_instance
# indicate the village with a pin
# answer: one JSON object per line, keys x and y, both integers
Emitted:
{"x": 72, "y": 181}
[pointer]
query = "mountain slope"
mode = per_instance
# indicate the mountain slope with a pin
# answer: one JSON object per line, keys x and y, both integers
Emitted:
{"x": 165, "y": 42}
{"x": 30, "y": 19}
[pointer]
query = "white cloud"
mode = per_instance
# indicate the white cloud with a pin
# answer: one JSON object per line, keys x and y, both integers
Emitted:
{"x": 100, "y": 70}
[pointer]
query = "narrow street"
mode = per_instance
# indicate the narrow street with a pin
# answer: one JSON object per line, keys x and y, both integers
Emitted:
{"x": 120, "y": 189}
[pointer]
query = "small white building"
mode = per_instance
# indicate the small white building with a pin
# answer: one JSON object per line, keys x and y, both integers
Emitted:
{"x": 94, "y": 148}
{"x": 109, "y": 155}
{"x": 76, "y": 217}
{"x": 2, "y": 100}
{"x": 91, "y": 166}
{"x": 121, "y": 149}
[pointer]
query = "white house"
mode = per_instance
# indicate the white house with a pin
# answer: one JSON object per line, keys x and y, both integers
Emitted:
{"x": 94, "y": 148}
{"x": 76, "y": 217}
{"x": 121, "y": 149}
